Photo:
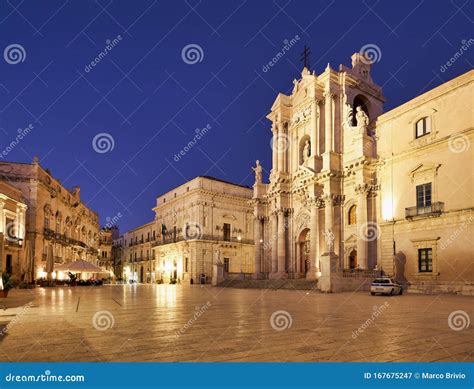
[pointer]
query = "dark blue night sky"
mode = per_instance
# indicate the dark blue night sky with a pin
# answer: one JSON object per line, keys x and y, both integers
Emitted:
{"x": 150, "y": 101}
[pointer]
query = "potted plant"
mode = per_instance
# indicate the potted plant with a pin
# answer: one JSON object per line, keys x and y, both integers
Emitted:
{"x": 9, "y": 282}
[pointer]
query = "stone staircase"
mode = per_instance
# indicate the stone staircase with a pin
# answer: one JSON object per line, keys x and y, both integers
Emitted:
{"x": 289, "y": 284}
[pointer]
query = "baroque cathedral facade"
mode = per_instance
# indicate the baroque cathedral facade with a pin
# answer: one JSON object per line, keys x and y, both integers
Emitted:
{"x": 351, "y": 185}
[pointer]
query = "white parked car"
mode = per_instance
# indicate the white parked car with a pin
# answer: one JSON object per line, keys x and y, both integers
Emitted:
{"x": 385, "y": 285}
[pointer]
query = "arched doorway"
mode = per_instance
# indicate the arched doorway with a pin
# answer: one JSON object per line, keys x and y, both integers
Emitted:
{"x": 304, "y": 247}
{"x": 353, "y": 259}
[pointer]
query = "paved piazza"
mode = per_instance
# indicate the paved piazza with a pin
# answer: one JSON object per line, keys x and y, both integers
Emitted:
{"x": 193, "y": 323}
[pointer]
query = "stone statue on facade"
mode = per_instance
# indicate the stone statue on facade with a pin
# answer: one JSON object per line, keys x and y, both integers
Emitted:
{"x": 306, "y": 150}
{"x": 258, "y": 172}
{"x": 329, "y": 235}
{"x": 361, "y": 118}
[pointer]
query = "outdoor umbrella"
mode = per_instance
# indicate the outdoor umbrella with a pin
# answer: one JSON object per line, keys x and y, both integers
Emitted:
{"x": 50, "y": 261}
{"x": 79, "y": 266}
{"x": 28, "y": 262}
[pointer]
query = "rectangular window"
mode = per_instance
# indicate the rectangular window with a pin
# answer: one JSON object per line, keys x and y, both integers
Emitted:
{"x": 186, "y": 265}
{"x": 227, "y": 231}
{"x": 226, "y": 264}
{"x": 423, "y": 197}
{"x": 425, "y": 260}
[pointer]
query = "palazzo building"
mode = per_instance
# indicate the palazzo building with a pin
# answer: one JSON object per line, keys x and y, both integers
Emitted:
{"x": 138, "y": 254}
{"x": 58, "y": 226}
{"x": 204, "y": 222}
{"x": 12, "y": 229}
{"x": 353, "y": 189}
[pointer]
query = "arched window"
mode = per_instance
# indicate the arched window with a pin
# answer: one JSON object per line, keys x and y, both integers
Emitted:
{"x": 352, "y": 215}
{"x": 422, "y": 127}
{"x": 47, "y": 215}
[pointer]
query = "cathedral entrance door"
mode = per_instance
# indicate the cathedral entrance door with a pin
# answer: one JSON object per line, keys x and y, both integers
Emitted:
{"x": 353, "y": 259}
{"x": 304, "y": 260}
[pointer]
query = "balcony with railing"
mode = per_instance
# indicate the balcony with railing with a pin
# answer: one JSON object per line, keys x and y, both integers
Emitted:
{"x": 434, "y": 209}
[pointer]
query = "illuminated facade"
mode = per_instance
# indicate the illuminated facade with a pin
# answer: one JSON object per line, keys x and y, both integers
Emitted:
{"x": 353, "y": 191}
{"x": 12, "y": 230}
{"x": 59, "y": 226}
{"x": 201, "y": 223}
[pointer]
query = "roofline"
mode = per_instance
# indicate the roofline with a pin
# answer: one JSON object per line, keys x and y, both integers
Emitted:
{"x": 445, "y": 87}
{"x": 207, "y": 178}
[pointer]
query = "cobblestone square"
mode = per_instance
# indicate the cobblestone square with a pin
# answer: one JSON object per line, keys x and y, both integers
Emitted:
{"x": 193, "y": 323}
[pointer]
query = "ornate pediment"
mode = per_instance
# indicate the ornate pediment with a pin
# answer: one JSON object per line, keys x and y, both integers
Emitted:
{"x": 424, "y": 171}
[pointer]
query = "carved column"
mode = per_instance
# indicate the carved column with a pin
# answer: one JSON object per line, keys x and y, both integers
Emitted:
{"x": 314, "y": 127}
{"x": 281, "y": 242}
{"x": 328, "y": 119}
{"x": 362, "y": 239}
{"x": 274, "y": 241}
{"x": 314, "y": 238}
{"x": 275, "y": 148}
{"x": 258, "y": 245}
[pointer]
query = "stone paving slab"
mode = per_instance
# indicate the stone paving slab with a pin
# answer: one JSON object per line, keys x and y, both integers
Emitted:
{"x": 194, "y": 323}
